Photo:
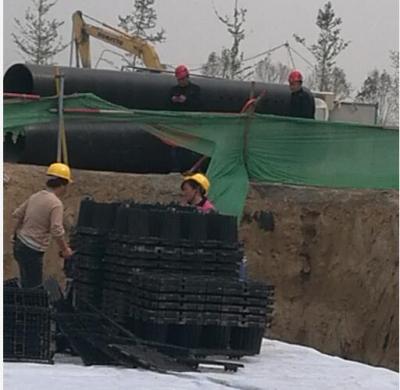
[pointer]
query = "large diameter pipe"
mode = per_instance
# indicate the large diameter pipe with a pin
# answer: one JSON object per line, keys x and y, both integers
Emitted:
{"x": 145, "y": 90}
{"x": 118, "y": 147}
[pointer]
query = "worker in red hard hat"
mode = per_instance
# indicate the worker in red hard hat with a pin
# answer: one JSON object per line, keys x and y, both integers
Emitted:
{"x": 36, "y": 220}
{"x": 185, "y": 96}
{"x": 194, "y": 191}
{"x": 302, "y": 104}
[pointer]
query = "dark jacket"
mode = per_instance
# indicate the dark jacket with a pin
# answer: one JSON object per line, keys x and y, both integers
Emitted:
{"x": 193, "y": 98}
{"x": 302, "y": 104}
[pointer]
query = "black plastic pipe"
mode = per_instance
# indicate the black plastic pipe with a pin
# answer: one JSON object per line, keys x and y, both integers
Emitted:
{"x": 119, "y": 147}
{"x": 145, "y": 90}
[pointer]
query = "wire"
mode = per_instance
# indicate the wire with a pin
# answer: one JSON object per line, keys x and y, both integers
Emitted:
{"x": 303, "y": 58}
{"x": 289, "y": 48}
{"x": 71, "y": 52}
{"x": 264, "y": 52}
{"x": 290, "y": 55}
{"x": 107, "y": 25}
{"x": 92, "y": 18}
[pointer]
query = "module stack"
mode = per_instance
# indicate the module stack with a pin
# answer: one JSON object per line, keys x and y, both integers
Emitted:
{"x": 28, "y": 326}
{"x": 170, "y": 275}
{"x": 206, "y": 315}
{"x": 89, "y": 241}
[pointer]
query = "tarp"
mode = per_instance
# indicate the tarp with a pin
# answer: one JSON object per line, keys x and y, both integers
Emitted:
{"x": 243, "y": 147}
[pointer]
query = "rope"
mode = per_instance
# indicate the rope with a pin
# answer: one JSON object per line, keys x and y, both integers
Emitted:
{"x": 57, "y": 81}
{"x": 249, "y": 108}
{"x": 25, "y": 96}
{"x": 62, "y": 152}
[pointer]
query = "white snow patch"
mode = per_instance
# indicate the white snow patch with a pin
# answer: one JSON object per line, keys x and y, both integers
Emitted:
{"x": 280, "y": 366}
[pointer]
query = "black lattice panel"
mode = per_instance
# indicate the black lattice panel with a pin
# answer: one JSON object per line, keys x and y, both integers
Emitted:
{"x": 25, "y": 297}
{"x": 28, "y": 334}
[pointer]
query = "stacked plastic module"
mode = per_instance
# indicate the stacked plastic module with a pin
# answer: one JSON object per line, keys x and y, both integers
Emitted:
{"x": 115, "y": 239}
{"x": 205, "y": 315}
{"x": 95, "y": 222}
{"x": 174, "y": 239}
{"x": 170, "y": 275}
{"x": 28, "y": 327}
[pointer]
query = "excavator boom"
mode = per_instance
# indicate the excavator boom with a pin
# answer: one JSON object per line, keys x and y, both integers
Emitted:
{"x": 131, "y": 44}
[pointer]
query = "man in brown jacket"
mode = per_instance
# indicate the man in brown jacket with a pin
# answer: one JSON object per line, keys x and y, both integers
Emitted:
{"x": 37, "y": 219}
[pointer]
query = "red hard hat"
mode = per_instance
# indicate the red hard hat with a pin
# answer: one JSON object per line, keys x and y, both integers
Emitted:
{"x": 181, "y": 72}
{"x": 294, "y": 76}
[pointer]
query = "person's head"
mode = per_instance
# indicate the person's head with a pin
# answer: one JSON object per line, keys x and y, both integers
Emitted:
{"x": 182, "y": 75}
{"x": 58, "y": 178}
{"x": 195, "y": 187}
{"x": 295, "y": 80}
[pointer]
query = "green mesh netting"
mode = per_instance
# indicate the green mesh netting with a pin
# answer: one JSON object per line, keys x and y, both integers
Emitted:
{"x": 245, "y": 148}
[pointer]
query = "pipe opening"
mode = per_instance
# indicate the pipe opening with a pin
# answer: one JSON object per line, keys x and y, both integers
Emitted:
{"x": 18, "y": 79}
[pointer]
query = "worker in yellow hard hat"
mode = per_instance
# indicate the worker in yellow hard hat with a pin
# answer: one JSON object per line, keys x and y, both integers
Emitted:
{"x": 37, "y": 220}
{"x": 195, "y": 188}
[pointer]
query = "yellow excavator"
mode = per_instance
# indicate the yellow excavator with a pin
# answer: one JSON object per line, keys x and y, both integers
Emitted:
{"x": 137, "y": 46}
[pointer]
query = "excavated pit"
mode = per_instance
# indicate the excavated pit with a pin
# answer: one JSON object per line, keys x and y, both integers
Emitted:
{"x": 331, "y": 254}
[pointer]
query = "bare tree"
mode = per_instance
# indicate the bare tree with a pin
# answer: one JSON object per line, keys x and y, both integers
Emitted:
{"x": 327, "y": 48}
{"x": 394, "y": 95}
{"x": 339, "y": 84}
{"x": 376, "y": 90}
{"x": 142, "y": 22}
{"x": 229, "y": 63}
{"x": 267, "y": 71}
{"x": 382, "y": 88}
{"x": 38, "y": 39}
{"x": 214, "y": 66}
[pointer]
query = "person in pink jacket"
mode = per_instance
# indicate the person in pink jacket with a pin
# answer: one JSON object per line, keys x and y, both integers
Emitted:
{"x": 194, "y": 191}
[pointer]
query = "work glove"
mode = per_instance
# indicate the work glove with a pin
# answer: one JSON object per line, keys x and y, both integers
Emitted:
{"x": 179, "y": 98}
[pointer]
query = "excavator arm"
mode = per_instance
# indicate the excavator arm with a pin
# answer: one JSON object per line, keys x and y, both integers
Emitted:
{"x": 131, "y": 44}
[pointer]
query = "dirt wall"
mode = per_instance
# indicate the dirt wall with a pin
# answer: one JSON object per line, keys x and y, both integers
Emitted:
{"x": 332, "y": 255}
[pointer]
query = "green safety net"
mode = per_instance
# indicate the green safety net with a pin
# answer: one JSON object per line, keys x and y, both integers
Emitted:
{"x": 245, "y": 147}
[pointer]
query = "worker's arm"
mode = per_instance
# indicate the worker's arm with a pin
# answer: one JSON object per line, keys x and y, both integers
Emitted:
{"x": 174, "y": 99}
{"x": 66, "y": 251}
{"x": 18, "y": 215}
{"x": 57, "y": 230}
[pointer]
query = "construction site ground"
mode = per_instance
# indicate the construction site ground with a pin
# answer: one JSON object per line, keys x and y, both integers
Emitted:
{"x": 280, "y": 366}
{"x": 332, "y": 254}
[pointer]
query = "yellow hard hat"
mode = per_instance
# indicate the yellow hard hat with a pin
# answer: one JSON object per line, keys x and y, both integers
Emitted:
{"x": 60, "y": 170}
{"x": 200, "y": 179}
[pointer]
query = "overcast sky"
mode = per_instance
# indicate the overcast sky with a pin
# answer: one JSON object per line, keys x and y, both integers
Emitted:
{"x": 193, "y": 30}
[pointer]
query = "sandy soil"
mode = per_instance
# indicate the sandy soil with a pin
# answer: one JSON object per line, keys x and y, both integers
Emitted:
{"x": 333, "y": 255}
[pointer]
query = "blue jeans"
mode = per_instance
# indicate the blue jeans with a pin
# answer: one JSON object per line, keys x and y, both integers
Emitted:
{"x": 30, "y": 263}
